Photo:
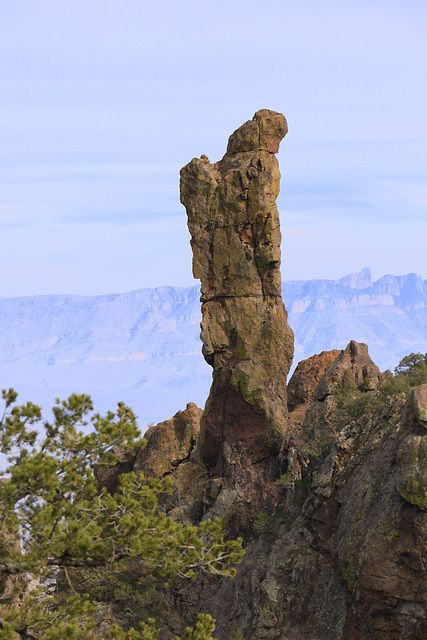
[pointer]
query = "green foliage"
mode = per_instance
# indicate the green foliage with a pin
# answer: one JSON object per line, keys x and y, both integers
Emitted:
{"x": 267, "y": 523}
{"x": 130, "y": 587}
{"x": 352, "y": 403}
{"x": 54, "y": 517}
{"x": 237, "y": 634}
{"x": 303, "y": 484}
{"x": 366, "y": 383}
{"x": 413, "y": 369}
{"x": 345, "y": 394}
{"x": 286, "y": 480}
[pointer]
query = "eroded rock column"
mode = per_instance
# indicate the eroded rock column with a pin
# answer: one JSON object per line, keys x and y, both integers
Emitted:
{"x": 235, "y": 238}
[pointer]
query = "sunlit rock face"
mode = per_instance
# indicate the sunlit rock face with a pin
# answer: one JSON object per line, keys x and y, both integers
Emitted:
{"x": 235, "y": 238}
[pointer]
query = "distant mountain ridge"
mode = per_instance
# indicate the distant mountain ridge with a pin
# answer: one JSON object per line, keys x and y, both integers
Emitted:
{"x": 390, "y": 315}
{"x": 143, "y": 346}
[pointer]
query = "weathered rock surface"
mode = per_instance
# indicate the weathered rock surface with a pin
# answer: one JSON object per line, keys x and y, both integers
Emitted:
{"x": 347, "y": 564}
{"x": 355, "y": 364}
{"x": 318, "y": 422}
{"x": 306, "y": 377}
{"x": 235, "y": 238}
{"x": 349, "y": 561}
{"x": 376, "y": 540}
{"x": 343, "y": 556}
{"x": 333, "y": 507}
{"x": 169, "y": 442}
{"x": 167, "y": 445}
{"x": 302, "y": 387}
{"x": 418, "y": 405}
{"x": 412, "y": 453}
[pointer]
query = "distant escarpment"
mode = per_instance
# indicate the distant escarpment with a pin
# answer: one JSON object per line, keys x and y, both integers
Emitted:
{"x": 235, "y": 237}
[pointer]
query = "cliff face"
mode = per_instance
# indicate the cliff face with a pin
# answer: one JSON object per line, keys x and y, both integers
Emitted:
{"x": 390, "y": 314}
{"x": 343, "y": 555}
{"x": 143, "y": 347}
{"x": 235, "y": 237}
{"x": 349, "y": 564}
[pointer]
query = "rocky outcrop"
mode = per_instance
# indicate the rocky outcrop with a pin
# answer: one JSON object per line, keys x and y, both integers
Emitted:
{"x": 235, "y": 238}
{"x": 319, "y": 421}
{"x": 343, "y": 555}
{"x": 172, "y": 450}
{"x": 331, "y": 504}
{"x": 376, "y": 540}
{"x": 169, "y": 442}
{"x": 354, "y": 366}
{"x": 412, "y": 453}
{"x": 348, "y": 562}
{"x": 306, "y": 377}
{"x": 302, "y": 387}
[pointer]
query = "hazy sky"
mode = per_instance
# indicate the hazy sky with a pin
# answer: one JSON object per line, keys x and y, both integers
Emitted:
{"x": 103, "y": 101}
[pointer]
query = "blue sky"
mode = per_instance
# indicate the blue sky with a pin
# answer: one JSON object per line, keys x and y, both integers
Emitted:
{"x": 103, "y": 101}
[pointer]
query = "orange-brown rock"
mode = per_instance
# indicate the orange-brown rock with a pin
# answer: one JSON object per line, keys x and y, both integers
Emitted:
{"x": 349, "y": 563}
{"x": 306, "y": 377}
{"x": 167, "y": 445}
{"x": 335, "y": 522}
{"x": 169, "y": 442}
{"x": 108, "y": 476}
{"x": 355, "y": 363}
{"x": 235, "y": 238}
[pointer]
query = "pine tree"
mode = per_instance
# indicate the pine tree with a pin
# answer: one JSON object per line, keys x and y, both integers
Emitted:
{"x": 55, "y": 518}
{"x": 413, "y": 369}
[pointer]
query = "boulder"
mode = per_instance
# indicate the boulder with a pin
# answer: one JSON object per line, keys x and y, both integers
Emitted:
{"x": 169, "y": 442}
{"x": 306, "y": 377}
{"x": 355, "y": 363}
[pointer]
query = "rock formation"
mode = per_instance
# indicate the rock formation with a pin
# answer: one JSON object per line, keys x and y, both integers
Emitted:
{"x": 351, "y": 566}
{"x": 331, "y": 503}
{"x": 235, "y": 238}
{"x": 306, "y": 377}
{"x": 412, "y": 453}
{"x": 169, "y": 442}
{"x": 343, "y": 556}
{"x": 355, "y": 365}
{"x": 318, "y": 421}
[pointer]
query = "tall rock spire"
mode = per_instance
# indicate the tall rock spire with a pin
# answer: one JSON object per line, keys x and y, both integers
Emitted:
{"x": 235, "y": 238}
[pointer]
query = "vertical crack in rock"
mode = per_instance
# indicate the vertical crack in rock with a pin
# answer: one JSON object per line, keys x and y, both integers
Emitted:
{"x": 235, "y": 238}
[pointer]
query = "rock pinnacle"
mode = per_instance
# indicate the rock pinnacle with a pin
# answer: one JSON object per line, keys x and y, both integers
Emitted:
{"x": 235, "y": 238}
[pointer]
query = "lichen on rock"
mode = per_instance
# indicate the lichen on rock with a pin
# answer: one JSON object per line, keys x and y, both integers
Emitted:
{"x": 169, "y": 442}
{"x": 235, "y": 238}
{"x": 354, "y": 361}
{"x": 418, "y": 405}
{"x": 412, "y": 453}
{"x": 335, "y": 524}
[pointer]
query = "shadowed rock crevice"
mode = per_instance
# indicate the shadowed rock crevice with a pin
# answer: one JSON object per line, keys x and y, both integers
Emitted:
{"x": 235, "y": 238}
